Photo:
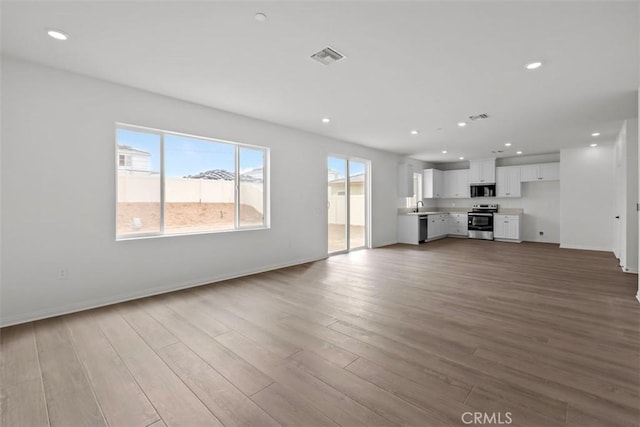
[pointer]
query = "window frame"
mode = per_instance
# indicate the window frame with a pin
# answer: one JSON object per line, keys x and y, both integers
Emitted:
{"x": 266, "y": 202}
{"x": 418, "y": 193}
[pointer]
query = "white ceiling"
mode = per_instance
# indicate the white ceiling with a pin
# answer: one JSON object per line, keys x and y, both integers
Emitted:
{"x": 409, "y": 65}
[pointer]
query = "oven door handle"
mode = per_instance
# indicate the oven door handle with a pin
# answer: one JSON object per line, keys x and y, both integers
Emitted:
{"x": 480, "y": 214}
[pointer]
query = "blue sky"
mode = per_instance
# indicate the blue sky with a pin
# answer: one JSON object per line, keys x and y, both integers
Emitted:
{"x": 340, "y": 165}
{"x": 189, "y": 156}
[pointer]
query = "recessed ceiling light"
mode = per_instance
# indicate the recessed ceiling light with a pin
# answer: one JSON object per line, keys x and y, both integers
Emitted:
{"x": 533, "y": 65}
{"x": 461, "y": 158}
{"x": 414, "y": 132}
{"x": 260, "y": 17}
{"x": 508, "y": 144}
{"x": 595, "y": 134}
{"x": 518, "y": 152}
{"x": 593, "y": 145}
{"x": 326, "y": 120}
{"x": 57, "y": 34}
{"x": 462, "y": 124}
{"x": 444, "y": 151}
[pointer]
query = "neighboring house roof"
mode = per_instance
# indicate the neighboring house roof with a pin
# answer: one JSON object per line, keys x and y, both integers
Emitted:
{"x": 359, "y": 178}
{"x": 332, "y": 174}
{"x": 218, "y": 174}
{"x": 253, "y": 171}
{"x": 223, "y": 175}
{"x": 122, "y": 147}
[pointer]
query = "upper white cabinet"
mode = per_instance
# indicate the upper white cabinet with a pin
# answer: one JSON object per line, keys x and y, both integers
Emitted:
{"x": 405, "y": 180}
{"x": 540, "y": 172}
{"x": 508, "y": 181}
{"x": 482, "y": 171}
{"x": 432, "y": 184}
{"x": 455, "y": 184}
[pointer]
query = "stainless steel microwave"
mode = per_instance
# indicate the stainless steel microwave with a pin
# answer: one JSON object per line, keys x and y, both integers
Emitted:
{"x": 483, "y": 190}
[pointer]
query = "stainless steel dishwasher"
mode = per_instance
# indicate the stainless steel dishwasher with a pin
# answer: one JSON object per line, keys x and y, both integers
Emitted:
{"x": 424, "y": 221}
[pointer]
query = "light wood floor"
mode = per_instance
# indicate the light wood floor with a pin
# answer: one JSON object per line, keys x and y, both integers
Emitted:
{"x": 394, "y": 336}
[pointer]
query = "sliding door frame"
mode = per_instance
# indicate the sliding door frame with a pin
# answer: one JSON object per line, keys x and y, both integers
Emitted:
{"x": 367, "y": 203}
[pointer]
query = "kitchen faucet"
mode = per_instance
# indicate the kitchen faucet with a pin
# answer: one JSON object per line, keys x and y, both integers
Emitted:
{"x": 418, "y": 205}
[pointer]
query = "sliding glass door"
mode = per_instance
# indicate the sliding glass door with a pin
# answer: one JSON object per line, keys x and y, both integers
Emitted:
{"x": 348, "y": 212}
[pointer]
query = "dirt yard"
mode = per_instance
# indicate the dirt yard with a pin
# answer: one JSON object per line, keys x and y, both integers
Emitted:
{"x": 182, "y": 217}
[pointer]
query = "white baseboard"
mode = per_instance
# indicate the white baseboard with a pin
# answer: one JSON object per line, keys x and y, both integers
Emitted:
{"x": 585, "y": 248}
{"x": 115, "y": 299}
{"x": 383, "y": 244}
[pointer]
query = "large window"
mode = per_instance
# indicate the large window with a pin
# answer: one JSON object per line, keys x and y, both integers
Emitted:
{"x": 168, "y": 183}
{"x": 417, "y": 190}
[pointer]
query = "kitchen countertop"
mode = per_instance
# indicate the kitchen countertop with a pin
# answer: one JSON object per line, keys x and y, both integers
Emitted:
{"x": 510, "y": 211}
{"x": 422, "y": 213}
{"x": 454, "y": 210}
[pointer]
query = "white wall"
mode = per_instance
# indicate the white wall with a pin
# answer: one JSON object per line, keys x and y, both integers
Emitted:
{"x": 631, "y": 211}
{"x": 528, "y": 160}
{"x": 626, "y": 189}
{"x": 620, "y": 189}
{"x": 57, "y": 217}
{"x": 503, "y": 161}
{"x": 638, "y": 181}
{"x": 588, "y": 198}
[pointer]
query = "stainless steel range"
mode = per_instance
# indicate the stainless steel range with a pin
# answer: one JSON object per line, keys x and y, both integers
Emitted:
{"x": 481, "y": 221}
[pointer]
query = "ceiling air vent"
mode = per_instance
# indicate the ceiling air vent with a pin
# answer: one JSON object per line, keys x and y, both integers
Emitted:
{"x": 327, "y": 56}
{"x": 479, "y": 117}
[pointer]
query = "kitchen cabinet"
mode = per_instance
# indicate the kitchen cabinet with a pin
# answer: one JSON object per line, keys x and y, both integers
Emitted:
{"x": 482, "y": 171}
{"x": 508, "y": 181}
{"x": 540, "y": 172}
{"x": 405, "y": 180}
{"x": 438, "y": 226}
{"x": 409, "y": 229}
{"x": 507, "y": 227}
{"x": 432, "y": 184}
{"x": 458, "y": 224}
{"x": 455, "y": 184}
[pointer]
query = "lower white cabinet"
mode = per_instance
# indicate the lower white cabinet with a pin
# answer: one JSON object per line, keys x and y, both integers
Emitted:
{"x": 458, "y": 224}
{"x": 438, "y": 226}
{"x": 409, "y": 229}
{"x": 507, "y": 227}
